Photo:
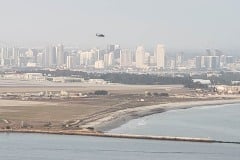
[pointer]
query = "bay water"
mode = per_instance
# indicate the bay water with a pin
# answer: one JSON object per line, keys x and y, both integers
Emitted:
{"x": 216, "y": 122}
{"x": 219, "y": 122}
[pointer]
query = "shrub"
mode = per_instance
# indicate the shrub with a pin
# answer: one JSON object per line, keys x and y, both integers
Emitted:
{"x": 101, "y": 92}
{"x": 164, "y": 94}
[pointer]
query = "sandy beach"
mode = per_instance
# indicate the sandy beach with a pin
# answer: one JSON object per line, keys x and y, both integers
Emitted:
{"x": 116, "y": 119}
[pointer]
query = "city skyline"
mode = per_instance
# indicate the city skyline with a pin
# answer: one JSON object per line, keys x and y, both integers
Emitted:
{"x": 114, "y": 58}
{"x": 179, "y": 25}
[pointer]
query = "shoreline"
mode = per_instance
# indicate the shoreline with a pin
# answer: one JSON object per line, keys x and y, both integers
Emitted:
{"x": 120, "y": 117}
{"x": 101, "y": 126}
{"x": 115, "y": 119}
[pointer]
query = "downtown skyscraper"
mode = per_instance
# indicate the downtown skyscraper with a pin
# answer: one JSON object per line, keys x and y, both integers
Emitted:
{"x": 160, "y": 56}
{"x": 140, "y": 57}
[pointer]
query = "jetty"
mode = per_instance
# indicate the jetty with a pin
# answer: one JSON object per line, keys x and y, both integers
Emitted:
{"x": 113, "y": 135}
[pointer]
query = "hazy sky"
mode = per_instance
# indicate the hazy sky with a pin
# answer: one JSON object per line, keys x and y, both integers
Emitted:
{"x": 179, "y": 24}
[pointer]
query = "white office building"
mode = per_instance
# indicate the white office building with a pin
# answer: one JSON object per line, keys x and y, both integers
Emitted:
{"x": 125, "y": 58}
{"x": 140, "y": 57}
{"x": 160, "y": 56}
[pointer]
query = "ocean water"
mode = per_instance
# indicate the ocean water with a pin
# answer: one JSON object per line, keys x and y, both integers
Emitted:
{"x": 221, "y": 122}
{"x": 201, "y": 122}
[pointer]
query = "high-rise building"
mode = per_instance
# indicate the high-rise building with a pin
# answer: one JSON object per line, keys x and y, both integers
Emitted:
{"x": 46, "y": 57}
{"x": 1, "y": 57}
{"x": 207, "y": 61}
{"x": 60, "y": 55}
{"x": 147, "y": 59}
{"x": 111, "y": 59}
{"x": 50, "y": 56}
{"x": 203, "y": 62}
{"x": 211, "y": 62}
{"x": 215, "y": 62}
{"x": 16, "y": 55}
{"x": 4, "y": 56}
{"x": 160, "y": 56}
{"x": 198, "y": 62}
{"x": 39, "y": 60}
{"x": 140, "y": 57}
{"x": 179, "y": 59}
{"x": 172, "y": 64}
{"x": 125, "y": 58}
{"x": 85, "y": 58}
{"x": 115, "y": 48}
{"x": 106, "y": 60}
{"x": 70, "y": 61}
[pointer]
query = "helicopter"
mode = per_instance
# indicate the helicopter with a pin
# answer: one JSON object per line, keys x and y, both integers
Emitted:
{"x": 100, "y": 35}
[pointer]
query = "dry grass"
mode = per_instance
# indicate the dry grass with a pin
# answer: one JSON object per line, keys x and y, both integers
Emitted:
{"x": 57, "y": 111}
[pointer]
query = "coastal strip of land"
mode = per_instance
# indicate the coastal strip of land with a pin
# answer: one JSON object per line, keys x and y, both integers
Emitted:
{"x": 116, "y": 119}
{"x": 119, "y": 117}
{"x": 34, "y": 115}
{"x": 24, "y": 109}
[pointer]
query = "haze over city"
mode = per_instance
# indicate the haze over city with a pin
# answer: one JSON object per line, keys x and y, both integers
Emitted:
{"x": 119, "y": 79}
{"x": 179, "y": 25}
